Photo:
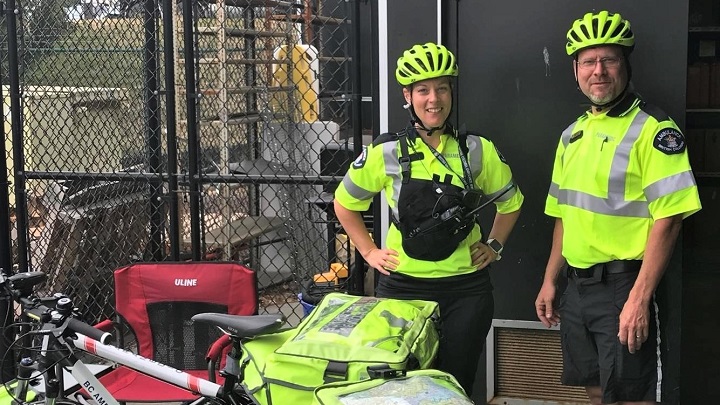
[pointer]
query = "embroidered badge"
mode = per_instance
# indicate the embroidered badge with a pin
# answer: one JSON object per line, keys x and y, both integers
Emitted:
{"x": 669, "y": 141}
{"x": 500, "y": 155}
{"x": 360, "y": 161}
{"x": 577, "y": 135}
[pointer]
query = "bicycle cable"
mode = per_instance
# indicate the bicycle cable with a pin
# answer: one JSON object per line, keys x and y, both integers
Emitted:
{"x": 17, "y": 343}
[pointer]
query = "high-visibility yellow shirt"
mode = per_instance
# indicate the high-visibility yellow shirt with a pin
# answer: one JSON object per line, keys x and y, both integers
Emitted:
{"x": 378, "y": 168}
{"x": 615, "y": 174}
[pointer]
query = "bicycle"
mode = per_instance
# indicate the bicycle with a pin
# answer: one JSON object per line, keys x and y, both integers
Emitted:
{"x": 63, "y": 335}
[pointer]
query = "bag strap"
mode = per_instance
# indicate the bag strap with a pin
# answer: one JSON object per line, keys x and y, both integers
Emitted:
{"x": 462, "y": 140}
{"x": 404, "y": 157}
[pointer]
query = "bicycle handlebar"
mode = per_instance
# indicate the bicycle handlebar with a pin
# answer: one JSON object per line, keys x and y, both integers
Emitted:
{"x": 21, "y": 288}
{"x": 81, "y": 327}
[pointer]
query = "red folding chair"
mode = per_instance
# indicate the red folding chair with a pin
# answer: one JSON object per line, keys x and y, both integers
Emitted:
{"x": 155, "y": 301}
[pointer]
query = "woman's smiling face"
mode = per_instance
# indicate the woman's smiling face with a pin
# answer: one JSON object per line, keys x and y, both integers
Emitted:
{"x": 431, "y": 100}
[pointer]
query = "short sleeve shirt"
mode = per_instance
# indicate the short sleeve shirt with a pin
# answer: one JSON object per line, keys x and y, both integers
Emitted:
{"x": 378, "y": 169}
{"x": 614, "y": 174}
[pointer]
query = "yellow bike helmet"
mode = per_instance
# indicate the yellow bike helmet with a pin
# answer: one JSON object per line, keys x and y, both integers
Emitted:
{"x": 603, "y": 28}
{"x": 422, "y": 62}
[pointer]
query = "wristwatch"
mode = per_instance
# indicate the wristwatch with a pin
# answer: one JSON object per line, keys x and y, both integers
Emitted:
{"x": 496, "y": 247}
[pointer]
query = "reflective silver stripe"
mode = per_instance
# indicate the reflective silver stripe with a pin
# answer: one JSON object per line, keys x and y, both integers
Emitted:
{"x": 567, "y": 133}
{"x": 356, "y": 191}
{"x": 392, "y": 169}
{"x": 475, "y": 158}
{"x": 621, "y": 159}
{"x": 565, "y": 139}
{"x": 609, "y": 206}
{"x": 615, "y": 203}
{"x": 669, "y": 185}
{"x": 509, "y": 189}
{"x": 554, "y": 189}
{"x": 658, "y": 387}
{"x": 394, "y": 321}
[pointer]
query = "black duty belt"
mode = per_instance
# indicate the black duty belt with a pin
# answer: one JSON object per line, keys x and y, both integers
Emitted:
{"x": 614, "y": 267}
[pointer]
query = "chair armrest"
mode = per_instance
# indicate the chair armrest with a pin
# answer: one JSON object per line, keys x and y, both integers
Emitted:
{"x": 215, "y": 351}
{"x": 214, "y": 355}
{"x": 105, "y": 326}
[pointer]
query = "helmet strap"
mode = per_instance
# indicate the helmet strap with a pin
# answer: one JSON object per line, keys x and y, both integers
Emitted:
{"x": 601, "y": 107}
{"x": 416, "y": 122}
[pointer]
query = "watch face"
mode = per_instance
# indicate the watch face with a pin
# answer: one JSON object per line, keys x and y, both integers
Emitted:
{"x": 495, "y": 246}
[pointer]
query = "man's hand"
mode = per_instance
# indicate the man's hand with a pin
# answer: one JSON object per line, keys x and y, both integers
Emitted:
{"x": 544, "y": 305}
{"x": 633, "y": 330}
{"x": 383, "y": 260}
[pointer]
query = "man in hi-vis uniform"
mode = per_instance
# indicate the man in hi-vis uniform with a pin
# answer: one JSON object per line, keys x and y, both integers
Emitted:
{"x": 621, "y": 186}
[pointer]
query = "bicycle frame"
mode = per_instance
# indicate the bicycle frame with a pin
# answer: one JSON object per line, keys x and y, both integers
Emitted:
{"x": 97, "y": 391}
{"x": 62, "y": 334}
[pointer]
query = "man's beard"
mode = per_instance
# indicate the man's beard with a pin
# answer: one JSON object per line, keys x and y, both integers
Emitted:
{"x": 601, "y": 100}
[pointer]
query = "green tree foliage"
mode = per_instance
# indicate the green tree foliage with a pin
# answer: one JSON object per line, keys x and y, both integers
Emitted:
{"x": 40, "y": 24}
{"x": 93, "y": 53}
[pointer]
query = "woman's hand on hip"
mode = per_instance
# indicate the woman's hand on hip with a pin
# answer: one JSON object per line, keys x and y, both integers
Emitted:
{"x": 481, "y": 255}
{"x": 383, "y": 260}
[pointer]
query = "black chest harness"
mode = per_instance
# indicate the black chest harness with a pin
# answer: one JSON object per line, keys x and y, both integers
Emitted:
{"x": 434, "y": 215}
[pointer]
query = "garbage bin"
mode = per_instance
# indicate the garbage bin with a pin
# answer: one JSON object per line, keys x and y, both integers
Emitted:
{"x": 307, "y": 307}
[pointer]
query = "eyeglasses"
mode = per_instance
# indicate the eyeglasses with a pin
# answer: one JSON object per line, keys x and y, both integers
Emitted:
{"x": 608, "y": 63}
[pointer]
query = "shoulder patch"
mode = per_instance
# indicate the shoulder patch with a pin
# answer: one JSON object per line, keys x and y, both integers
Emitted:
{"x": 669, "y": 141}
{"x": 386, "y": 137}
{"x": 360, "y": 161}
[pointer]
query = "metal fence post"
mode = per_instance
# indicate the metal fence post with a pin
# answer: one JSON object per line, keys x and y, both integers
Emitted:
{"x": 153, "y": 149}
{"x": 6, "y": 368}
{"x": 171, "y": 119}
{"x": 191, "y": 99}
{"x": 21, "y": 210}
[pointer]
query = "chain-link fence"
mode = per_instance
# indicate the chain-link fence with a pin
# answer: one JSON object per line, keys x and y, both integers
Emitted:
{"x": 161, "y": 130}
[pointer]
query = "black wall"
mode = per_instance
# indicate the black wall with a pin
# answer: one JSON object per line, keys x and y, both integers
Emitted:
{"x": 508, "y": 92}
{"x": 410, "y": 22}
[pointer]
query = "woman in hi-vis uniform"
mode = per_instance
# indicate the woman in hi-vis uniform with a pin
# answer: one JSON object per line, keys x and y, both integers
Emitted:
{"x": 434, "y": 177}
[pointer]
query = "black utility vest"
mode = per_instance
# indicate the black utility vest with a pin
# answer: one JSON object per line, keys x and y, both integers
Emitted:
{"x": 432, "y": 221}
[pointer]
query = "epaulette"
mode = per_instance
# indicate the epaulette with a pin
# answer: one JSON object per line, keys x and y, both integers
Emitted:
{"x": 479, "y": 135}
{"x": 386, "y": 137}
{"x": 654, "y": 111}
{"x": 462, "y": 135}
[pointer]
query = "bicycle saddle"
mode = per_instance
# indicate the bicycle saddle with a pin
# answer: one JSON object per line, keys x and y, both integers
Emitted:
{"x": 241, "y": 326}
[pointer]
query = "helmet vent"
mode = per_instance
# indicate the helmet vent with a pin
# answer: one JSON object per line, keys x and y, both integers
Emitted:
{"x": 585, "y": 31}
{"x": 604, "y": 32}
{"x": 411, "y": 69}
{"x": 429, "y": 67}
{"x": 619, "y": 32}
